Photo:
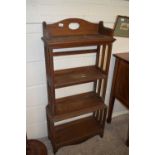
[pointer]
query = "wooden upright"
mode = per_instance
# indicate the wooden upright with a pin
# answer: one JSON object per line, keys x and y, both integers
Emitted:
{"x": 69, "y": 33}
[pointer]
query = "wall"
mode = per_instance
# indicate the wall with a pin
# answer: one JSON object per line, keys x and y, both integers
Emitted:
{"x": 53, "y": 11}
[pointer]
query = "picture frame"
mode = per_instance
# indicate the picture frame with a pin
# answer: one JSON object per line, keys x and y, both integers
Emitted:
{"x": 121, "y": 26}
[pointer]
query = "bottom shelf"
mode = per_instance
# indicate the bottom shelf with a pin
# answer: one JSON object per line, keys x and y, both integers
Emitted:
{"x": 76, "y": 131}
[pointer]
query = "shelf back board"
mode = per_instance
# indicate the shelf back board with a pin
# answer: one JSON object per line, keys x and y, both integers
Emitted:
{"x": 63, "y": 27}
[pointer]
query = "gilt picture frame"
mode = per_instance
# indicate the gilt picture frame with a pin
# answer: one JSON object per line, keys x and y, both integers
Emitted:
{"x": 121, "y": 26}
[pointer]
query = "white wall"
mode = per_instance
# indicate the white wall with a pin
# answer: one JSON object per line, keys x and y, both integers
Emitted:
{"x": 53, "y": 11}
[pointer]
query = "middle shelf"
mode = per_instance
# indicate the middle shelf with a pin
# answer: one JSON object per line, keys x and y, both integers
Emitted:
{"x": 68, "y": 77}
{"x": 75, "y": 105}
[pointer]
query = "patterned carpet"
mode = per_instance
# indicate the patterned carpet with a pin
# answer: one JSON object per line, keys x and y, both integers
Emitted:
{"x": 113, "y": 142}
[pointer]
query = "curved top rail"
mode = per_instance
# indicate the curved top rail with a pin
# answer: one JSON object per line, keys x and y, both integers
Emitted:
{"x": 71, "y": 26}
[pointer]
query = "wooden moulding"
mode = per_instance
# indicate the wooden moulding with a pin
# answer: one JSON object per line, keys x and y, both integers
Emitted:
{"x": 74, "y": 41}
{"x": 74, "y": 52}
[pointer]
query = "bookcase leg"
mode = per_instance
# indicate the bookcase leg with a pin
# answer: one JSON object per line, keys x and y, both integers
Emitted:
{"x": 111, "y": 106}
{"x": 55, "y": 149}
{"x": 51, "y": 133}
{"x": 103, "y": 114}
{"x": 100, "y": 116}
{"x": 48, "y": 127}
{"x": 101, "y": 135}
{"x": 104, "y": 118}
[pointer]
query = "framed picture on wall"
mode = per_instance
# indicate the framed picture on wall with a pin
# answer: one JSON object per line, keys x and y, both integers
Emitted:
{"x": 121, "y": 26}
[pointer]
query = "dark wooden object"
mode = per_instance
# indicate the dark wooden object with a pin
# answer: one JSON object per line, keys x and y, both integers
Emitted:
{"x": 120, "y": 84}
{"x": 35, "y": 147}
{"x": 61, "y": 35}
{"x": 76, "y": 105}
{"x": 78, "y": 75}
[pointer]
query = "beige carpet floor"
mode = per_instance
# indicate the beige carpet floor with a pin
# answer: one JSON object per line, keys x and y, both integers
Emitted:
{"x": 113, "y": 142}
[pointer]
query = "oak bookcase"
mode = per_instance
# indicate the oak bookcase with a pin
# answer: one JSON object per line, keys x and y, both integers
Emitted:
{"x": 69, "y": 33}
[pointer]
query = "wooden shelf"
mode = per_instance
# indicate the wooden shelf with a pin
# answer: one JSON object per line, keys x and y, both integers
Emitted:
{"x": 76, "y": 105}
{"x": 76, "y": 131}
{"x": 63, "y": 34}
{"x": 77, "y": 40}
{"x": 78, "y": 75}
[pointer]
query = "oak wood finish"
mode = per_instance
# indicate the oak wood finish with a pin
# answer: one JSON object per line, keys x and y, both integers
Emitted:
{"x": 73, "y": 41}
{"x": 73, "y": 52}
{"x": 61, "y": 35}
{"x": 85, "y": 28}
{"x": 77, "y": 131}
{"x": 75, "y": 105}
{"x": 120, "y": 84}
{"x": 77, "y": 75}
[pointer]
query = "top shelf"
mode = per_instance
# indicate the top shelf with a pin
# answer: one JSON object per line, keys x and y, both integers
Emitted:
{"x": 79, "y": 40}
